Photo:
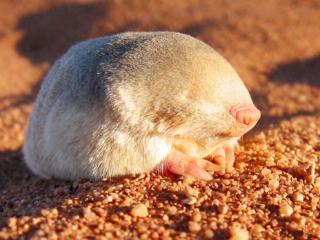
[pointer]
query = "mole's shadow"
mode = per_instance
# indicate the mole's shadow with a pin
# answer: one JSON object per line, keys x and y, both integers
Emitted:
{"x": 260, "y": 100}
{"x": 301, "y": 71}
{"x": 12, "y": 168}
{"x": 15, "y": 101}
{"x": 24, "y": 194}
{"x": 50, "y": 33}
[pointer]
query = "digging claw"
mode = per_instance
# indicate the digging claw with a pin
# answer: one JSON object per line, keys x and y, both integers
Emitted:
{"x": 224, "y": 157}
{"x": 181, "y": 164}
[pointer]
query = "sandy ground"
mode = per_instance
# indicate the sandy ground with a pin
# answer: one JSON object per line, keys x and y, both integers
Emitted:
{"x": 273, "y": 192}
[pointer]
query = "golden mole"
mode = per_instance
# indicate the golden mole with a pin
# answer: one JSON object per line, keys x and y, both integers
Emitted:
{"x": 135, "y": 102}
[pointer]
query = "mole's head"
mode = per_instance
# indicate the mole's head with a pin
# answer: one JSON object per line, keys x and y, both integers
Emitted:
{"x": 205, "y": 95}
{"x": 217, "y": 102}
{"x": 180, "y": 86}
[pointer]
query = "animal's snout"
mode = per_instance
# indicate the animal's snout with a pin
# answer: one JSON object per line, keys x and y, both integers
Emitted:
{"x": 246, "y": 114}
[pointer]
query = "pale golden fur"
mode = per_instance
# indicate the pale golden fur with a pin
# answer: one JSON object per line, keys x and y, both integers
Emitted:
{"x": 115, "y": 105}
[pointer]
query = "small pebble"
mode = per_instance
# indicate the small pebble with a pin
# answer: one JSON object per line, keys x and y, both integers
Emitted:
{"x": 301, "y": 221}
{"x": 316, "y": 187}
{"x": 139, "y": 210}
{"x": 89, "y": 214}
{"x": 172, "y": 210}
{"x": 274, "y": 184}
{"x": 265, "y": 172}
{"x": 223, "y": 209}
{"x": 165, "y": 218}
{"x": 238, "y": 233}
{"x": 12, "y": 223}
{"x": 194, "y": 226}
{"x": 285, "y": 210}
{"x": 258, "y": 228}
{"x": 191, "y": 192}
{"x": 314, "y": 203}
{"x": 196, "y": 217}
{"x": 208, "y": 233}
{"x": 297, "y": 197}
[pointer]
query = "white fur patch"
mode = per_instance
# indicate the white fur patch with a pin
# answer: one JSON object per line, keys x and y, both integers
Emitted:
{"x": 210, "y": 108}
{"x": 158, "y": 149}
{"x": 121, "y": 138}
{"x": 125, "y": 95}
{"x": 131, "y": 109}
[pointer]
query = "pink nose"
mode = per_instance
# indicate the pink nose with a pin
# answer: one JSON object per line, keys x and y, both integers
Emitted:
{"x": 245, "y": 113}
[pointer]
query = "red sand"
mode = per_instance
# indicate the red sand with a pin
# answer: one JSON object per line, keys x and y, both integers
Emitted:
{"x": 274, "y": 191}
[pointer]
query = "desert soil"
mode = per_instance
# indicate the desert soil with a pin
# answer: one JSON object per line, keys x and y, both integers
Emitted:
{"x": 274, "y": 191}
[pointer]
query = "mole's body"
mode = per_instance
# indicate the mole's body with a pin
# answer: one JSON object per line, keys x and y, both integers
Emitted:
{"x": 132, "y": 102}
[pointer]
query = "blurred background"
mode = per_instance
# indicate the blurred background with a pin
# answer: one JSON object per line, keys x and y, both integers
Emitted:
{"x": 274, "y": 45}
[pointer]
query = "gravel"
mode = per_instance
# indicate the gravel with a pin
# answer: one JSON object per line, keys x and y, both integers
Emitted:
{"x": 274, "y": 190}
